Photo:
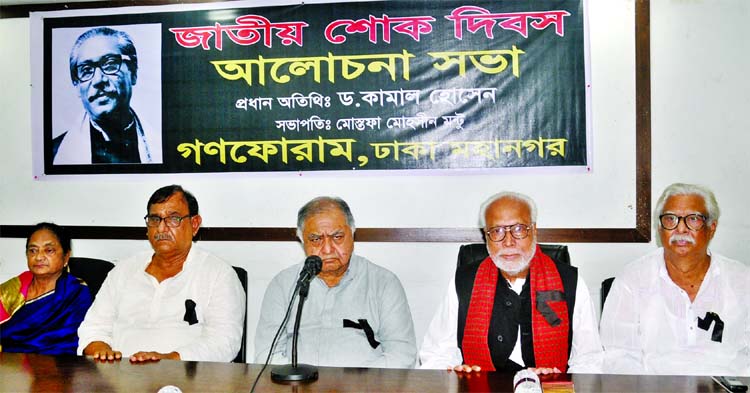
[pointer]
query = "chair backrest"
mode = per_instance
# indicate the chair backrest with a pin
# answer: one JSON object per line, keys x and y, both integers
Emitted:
{"x": 242, "y": 275}
{"x": 477, "y": 252}
{"x": 604, "y": 290}
{"x": 92, "y": 271}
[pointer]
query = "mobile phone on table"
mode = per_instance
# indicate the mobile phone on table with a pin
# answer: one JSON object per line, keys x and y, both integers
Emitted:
{"x": 731, "y": 384}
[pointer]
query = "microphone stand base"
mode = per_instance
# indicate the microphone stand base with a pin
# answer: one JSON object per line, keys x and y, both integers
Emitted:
{"x": 289, "y": 373}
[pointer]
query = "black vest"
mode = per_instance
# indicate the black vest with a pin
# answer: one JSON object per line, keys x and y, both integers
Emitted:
{"x": 121, "y": 148}
{"x": 508, "y": 312}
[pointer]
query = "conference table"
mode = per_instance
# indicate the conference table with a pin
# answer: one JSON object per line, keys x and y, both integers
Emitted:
{"x": 41, "y": 373}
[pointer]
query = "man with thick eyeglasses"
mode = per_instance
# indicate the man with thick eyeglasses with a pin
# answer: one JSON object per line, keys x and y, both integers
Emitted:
{"x": 356, "y": 313}
{"x": 176, "y": 302}
{"x": 104, "y": 69}
{"x": 517, "y": 308}
{"x": 680, "y": 309}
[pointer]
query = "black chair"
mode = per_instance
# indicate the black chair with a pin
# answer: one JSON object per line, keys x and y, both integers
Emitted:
{"x": 92, "y": 271}
{"x": 242, "y": 275}
{"x": 604, "y": 290}
{"x": 477, "y": 252}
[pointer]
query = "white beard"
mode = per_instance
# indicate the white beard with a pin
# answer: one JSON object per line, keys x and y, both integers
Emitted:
{"x": 515, "y": 266}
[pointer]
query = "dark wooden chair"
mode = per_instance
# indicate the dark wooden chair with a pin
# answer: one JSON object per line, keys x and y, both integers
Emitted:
{"x": 604, "y": 290}
{"x": 241, "y": 356}
{"x": 92, "y": 271}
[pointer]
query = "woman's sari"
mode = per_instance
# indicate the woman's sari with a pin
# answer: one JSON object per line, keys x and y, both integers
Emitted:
{"x": 47, "y": 324}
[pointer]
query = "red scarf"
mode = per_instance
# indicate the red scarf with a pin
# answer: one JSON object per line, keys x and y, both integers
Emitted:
{"x": 550, "y": 342}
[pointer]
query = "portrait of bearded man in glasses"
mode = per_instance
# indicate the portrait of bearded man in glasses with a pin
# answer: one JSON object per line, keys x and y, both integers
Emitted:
{"x": 103, "y": 67}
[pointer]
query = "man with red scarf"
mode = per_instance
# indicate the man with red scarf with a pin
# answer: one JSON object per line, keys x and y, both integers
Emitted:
{"x": 517, "y": 308}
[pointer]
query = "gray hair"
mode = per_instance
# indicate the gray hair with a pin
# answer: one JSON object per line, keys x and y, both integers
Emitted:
{"x": 511, "y": 195}
{"x": 124, "y": 43}
{"x": 712, "y": 207}
{"x": 323, "y": 204}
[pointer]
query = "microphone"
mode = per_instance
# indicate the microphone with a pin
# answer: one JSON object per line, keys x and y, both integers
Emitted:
{"x": 295, "y": 371}
{"x": 526, "y": 381}
{"x": 313, "y": 265}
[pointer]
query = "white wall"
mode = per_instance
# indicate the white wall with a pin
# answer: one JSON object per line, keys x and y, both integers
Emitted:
{"x": 699, "y": 130}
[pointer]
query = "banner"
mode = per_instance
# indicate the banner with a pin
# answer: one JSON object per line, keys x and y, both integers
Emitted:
{"x": 310, "y": 87}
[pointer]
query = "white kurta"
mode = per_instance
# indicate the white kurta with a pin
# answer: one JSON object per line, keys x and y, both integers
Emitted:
{"x": 134, "y": 312}
{"x": 649, "y": 325}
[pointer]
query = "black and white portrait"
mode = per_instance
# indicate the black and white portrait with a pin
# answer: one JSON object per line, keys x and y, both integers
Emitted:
{"x": 106, "y": 84}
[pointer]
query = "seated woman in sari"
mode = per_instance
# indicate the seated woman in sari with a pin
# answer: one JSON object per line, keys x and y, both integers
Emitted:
{"x": 40, "y": 310}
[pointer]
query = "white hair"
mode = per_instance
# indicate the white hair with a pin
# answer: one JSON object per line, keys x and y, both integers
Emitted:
{"x": 506, "y": 194}
{"x": 323, "y": 204}
{"x": 712, "y": 207}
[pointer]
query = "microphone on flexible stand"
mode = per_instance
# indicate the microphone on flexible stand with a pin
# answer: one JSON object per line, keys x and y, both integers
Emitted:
{"x": 526, "y": 381}
{"x": 294, "y": 371}
{"x": 313, "y": 265}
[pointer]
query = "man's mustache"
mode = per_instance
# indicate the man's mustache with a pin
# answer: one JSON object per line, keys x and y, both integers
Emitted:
{"x": 676, "y": 237}
{"x": 509, "y": 252}
{"x": 163, "y": 236}
{"x": 102, "y": 93}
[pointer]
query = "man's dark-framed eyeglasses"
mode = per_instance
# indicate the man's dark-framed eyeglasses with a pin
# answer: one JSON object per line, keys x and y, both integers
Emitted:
{"x": 171, "y": 221}
{"x": 109, "y": 65}
{"x": 518, "y": 231}
{"x": 694, "y": 222}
